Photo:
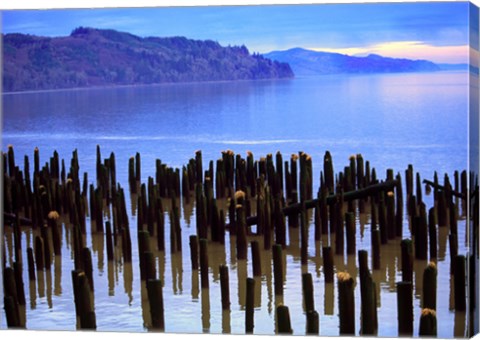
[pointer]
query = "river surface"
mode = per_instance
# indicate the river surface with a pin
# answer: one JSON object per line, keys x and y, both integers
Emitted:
{"x": 392, "y": 120}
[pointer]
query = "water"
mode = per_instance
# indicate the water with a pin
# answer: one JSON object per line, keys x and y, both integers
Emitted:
{"x": 392, "y": 120}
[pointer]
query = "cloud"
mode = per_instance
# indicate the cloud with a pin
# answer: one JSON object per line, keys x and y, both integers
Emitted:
{"x": 408, "y": 49}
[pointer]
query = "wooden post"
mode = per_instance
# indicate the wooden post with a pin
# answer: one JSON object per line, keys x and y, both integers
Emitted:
{"x": 346, "y": 303}
{"x": 327, "y": 255}
{"x": 459, "y": 283}
{"x": 428, "y": 323}
{"x": 155, "y": 298}
{"x": 256, "y": 260}
{"x": 194, "y": 251}
{"x": 390, "y": 204}
{"x": 39, "y": 253}
{"x": 278, "y": 269}
{"x": 376, "y": 249}
{"x": 150, "y": 269}
{"x": 11, "y": 312}
{"x": 283, "y": 320}
{"x": 350, "y": 230}
{"x": 432, "y": 233}
{"x": 430, "y": 286}
{"x": 31, "y": 264}
{"x": 249, "y": 306}
{"x": 241, "y": 233}
{"x": 405, "y": 308}
{"x": 87, "y": 266}
{"x": 224, "y": 287}
{"x": 307, "y": 287}
{"x": 109, "y": 241}
{"x": 312, "y": 322}
{"x": 407, "y": 260}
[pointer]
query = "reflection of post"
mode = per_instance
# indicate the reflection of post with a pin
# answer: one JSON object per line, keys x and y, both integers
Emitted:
{"x": 41, "y": 283}
{"x": 33, "y": 294}
{"x": 110, "y": 278}
{"x": 419, "y": 267}
{"x": 178, "y": 263}
{"x": 267, "y": 267}
{"x": 48, "y": 275}
{"x": 249, "y": 305}
{"x": 226, "y": 328}
{"x": 195, "y": 287}
{"x": 205, "y": 310}
{"x": 241, "y": 281}
{"x": 442, "y": 243}
{"x": 278, "y": 269}
{"x": 127, "y": 280}
{"x": 459, "y": 324}
{"x": 329, "y": 298}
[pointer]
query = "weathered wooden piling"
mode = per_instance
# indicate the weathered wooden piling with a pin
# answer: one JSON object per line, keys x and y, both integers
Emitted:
{"x": 432, "y": 234}
{"x": 194, "y": 251}
{"x": 224, "y": 287}
{"x": 83, "y": 300}
{"x": 407, "y": 260}
{"x": 405, "y": 308}
{"x": 303, "y": 238}
{"x": 39, "y": 253}
{"x": 459, "y": 277}
{"x": 278, "y": 268}
{"x": 155, "y": 298}
{"x": 368, "y": 298}
{"x": 346, "y": 303}
{"x": 350, "y": 231}
{"x": 430, "y": 286}
{"x": 11, "y": 312}
{"x": 256, "y": 260}
{"x": 313, "y": 323}
{"x": 150, "y": 268}
{"x": 88, "y": 266}
{"x": 308, "y": 296}
{"x": 46, "y": 248}
{"x": 376, "y": 249}
{"x": 204, "y": 263}
{"x": 241, "y": 233}
{"x": 31, "y": 264}
{"x": 390, "y": 206}
{"x": 249, "y": 306}
{"x": 143, "y": 246}
{"x": 109, "y": 241}
{"x": 327, "y": 255}
{"x": 428, "y": 323}
{"x": 283, "y": 320}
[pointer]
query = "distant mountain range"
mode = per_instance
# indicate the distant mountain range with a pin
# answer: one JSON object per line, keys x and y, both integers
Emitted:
{"x": 95, "y": 57}
{"x": 307, "y": 62}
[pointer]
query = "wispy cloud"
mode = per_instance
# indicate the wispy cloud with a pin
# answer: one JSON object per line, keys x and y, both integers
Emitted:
{"x": 407, "y": 49}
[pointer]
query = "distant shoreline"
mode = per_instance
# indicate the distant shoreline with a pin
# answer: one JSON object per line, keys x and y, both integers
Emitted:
{"x": 105, "y": 87}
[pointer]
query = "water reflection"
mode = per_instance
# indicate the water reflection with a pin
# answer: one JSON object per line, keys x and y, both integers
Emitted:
{"x": 205, "y": 310}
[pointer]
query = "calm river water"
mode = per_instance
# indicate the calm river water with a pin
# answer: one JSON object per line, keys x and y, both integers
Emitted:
{"x": 392, "y": 120}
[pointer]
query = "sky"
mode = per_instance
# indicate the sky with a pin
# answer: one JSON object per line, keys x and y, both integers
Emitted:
{"x": 436, "y": 31}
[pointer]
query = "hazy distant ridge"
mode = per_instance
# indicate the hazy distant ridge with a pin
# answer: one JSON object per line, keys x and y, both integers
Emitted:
{"x": 94, "y": 57}
{"x": 308, "y": 62}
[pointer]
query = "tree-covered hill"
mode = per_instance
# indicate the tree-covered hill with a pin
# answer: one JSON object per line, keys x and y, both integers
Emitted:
{"x": 94, "y": 57}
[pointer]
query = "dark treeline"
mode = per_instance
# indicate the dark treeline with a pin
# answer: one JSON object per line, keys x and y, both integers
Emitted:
{"x": 94, "y": 57}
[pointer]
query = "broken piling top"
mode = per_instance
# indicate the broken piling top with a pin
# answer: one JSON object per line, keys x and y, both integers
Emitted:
{"x": 53, "y": 215}
{"x": 344, "y": 277}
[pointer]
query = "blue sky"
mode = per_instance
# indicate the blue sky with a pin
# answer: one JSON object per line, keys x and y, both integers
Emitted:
{"x": 434, "y": 30}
